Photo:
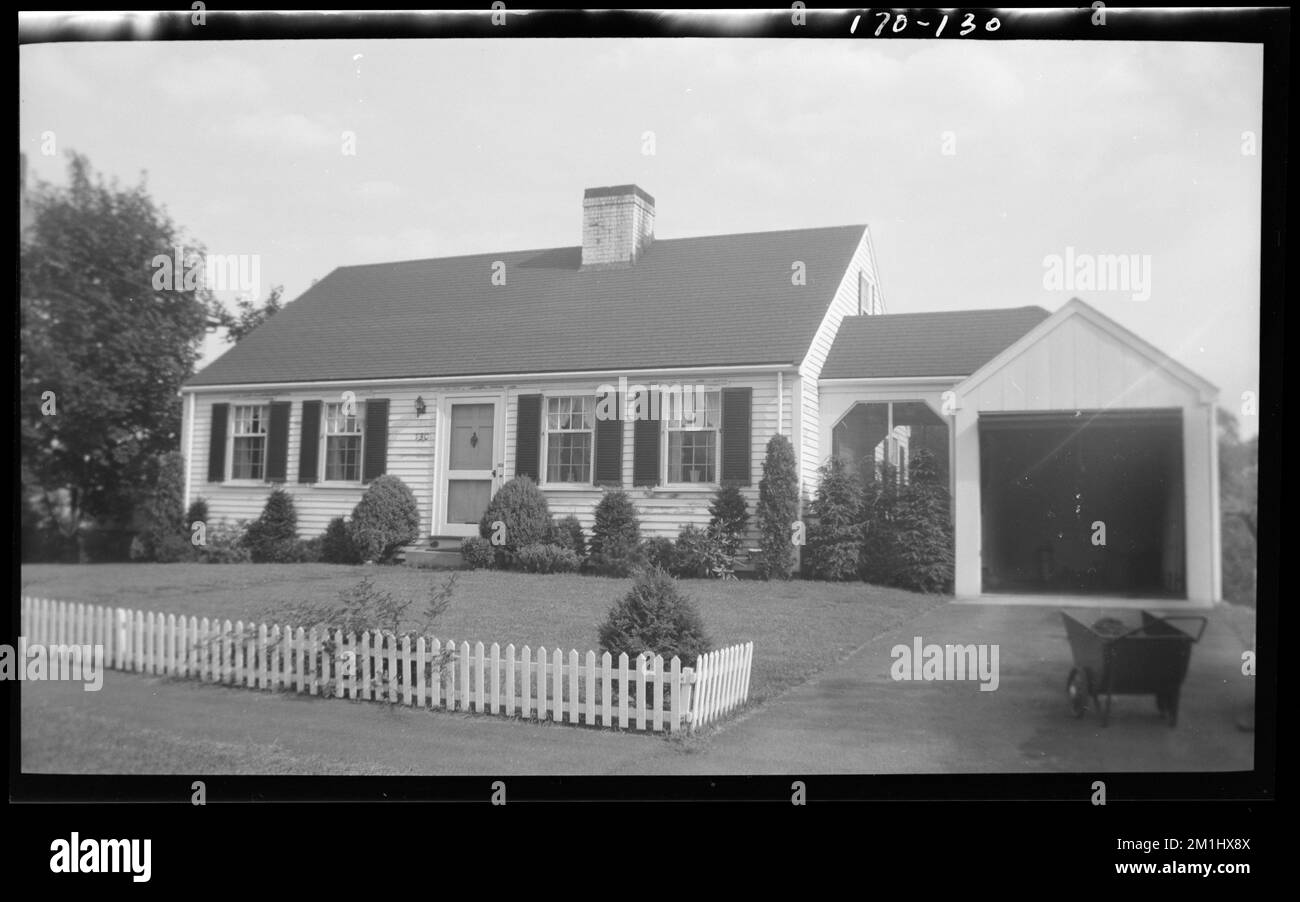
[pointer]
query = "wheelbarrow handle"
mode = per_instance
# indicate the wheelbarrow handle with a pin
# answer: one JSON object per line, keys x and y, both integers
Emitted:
{"x": 1204, "y": 621}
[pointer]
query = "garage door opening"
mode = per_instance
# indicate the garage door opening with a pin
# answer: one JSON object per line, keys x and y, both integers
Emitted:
{"x": 1087, "y": 503}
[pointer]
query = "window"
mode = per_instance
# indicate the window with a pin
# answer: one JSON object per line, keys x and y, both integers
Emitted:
{"x": 248, "y": 438}
{"x": 342, "y": 444}
{"x": 570, "y": 423}
{"x": 868, "y": 297}
{"x": 693, "y": 437}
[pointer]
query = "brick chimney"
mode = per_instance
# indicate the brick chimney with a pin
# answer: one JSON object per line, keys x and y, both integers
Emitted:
{"x": 618, "y": 226}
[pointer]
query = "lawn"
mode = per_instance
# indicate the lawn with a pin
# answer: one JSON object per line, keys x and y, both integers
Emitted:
{"x": 798, "y": 627}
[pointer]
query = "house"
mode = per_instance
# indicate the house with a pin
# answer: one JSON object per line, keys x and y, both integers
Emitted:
{"x": 664, "y": 367}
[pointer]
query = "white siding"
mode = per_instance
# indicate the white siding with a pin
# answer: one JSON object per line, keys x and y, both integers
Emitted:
{"x": 663, "y": 511}
{"x": 844, "y": 303}
{"x": 317, "y": 504}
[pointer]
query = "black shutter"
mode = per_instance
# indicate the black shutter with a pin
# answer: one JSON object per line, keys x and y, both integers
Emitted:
{"x": 609, "y": 447}
{"x": 309, "y": 443}
{"x": 528, "y": 436}
{"x": 645, "y": 444}
{"x": 277, "y": 443}
{"x": 737, "y": 450}
{"x": 217, "y": 443}
{"x": 375, "y": 455}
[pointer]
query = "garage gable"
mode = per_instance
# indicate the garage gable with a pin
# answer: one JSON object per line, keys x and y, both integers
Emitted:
{"x": 1080, "y": 359}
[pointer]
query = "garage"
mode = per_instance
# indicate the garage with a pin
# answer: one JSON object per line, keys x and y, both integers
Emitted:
{"x": 1083, "y": 503}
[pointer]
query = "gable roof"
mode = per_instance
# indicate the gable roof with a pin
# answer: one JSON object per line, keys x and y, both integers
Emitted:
{"x": 900, "y": 345}
{"x": 1077, "y": 307}
{"x": 717, "y": 301}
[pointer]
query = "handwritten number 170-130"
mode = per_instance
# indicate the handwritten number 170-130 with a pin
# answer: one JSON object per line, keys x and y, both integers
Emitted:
{"x": 901, "y": 22}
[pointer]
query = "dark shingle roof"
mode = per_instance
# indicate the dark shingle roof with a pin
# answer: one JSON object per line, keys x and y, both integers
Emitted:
{"x": 953, "y": 343}
{"x": 725, "y": 300}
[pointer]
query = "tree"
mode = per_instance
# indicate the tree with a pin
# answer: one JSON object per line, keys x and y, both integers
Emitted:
{"x": 1239, "y": 509}
{"x": 248, "y": 317}
{"x": 103, "y": 352}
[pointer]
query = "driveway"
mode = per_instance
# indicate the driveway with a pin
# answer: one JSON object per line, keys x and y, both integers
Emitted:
{"x": 854, "y": 718}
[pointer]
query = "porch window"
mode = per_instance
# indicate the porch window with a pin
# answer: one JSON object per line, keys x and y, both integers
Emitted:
{"x": 248, "y": 442}
{"x": 570, "y": 422}
{"x": 342, "y": 444}
{"x": 693, "y": 441}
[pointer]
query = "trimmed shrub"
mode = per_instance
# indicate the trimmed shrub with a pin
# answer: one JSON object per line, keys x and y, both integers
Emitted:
{"x": 165, "y": 536}
{"x": 337, "y": 546}
{"x": 616, "y": 536}
{"x": 225, "y": 544}
{"x": 661, "y": 552}
{"x": 546, "y": 558}
{"x": 386, "y": 518}
{"x": 778, "y": 508}
{"x": 273, "y": 537}
{"x": 310, "y": 551}
{"x": 521, "y": 507}
{"x": 655, "y": 617}
{"x": 477, "y": 553}
{"x": 198, "y": 512}
{"x": 568, "y": 534}
{"x": 703, "y": 553}
{"x": 835, "y": 538}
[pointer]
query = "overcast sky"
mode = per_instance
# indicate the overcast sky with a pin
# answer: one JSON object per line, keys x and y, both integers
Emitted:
{"x": 479, "y": 146}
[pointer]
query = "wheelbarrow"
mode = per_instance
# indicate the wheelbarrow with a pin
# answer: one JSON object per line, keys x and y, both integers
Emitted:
{"x": 1110, "y": 659}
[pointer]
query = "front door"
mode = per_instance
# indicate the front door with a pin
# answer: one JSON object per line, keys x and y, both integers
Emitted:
{"x": 471, "y": 464}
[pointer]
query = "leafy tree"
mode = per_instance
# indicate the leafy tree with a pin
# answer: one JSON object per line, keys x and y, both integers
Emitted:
{"x": 247, "y": 317}
{"x": 103, "y": 352}
{"x": 778, "y": 508}
{"x": 165, "y": 533}
{"x": 1238, "y": 509}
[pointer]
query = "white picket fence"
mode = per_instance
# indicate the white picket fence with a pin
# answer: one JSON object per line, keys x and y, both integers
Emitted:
{"x": 646, "y": 693}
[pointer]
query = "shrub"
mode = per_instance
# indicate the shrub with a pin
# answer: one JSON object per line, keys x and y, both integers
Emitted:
{"x": 521, "y": 507}
{"x": 309, "y": 551}
{"x": 835, "y": 538}
{"x": 337, "y": 546}
{"x": 568, "y": 533}
{"x": 273, "y": 537}
{"x": 703, "y": 553}
{"x": 778, "y": 508}
{"x": 225, "y": 544}
{"x": 165, "y": 536}
{"x": 386, "y": 518}
{"x": 616, "y": 536}
{"x": 197, "y": 513}
{"x": 362, "y": 608}
{"x": 659, "y": 551}
{"x": 729, "y": 512}
{"x": 908, "y": 538}
{"x": 654, "y": 617}
{"x": 477, "y": 553}
{"x": 546, "y": 558}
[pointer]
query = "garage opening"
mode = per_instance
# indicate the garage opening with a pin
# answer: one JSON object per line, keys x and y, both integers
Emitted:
{"x": 1084, "y": 502}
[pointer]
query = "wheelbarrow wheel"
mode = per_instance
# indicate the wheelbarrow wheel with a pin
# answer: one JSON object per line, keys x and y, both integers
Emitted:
{"x": 1077, "y": 690}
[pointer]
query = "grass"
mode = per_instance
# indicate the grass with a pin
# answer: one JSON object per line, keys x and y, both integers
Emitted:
{"x": 798, "y": 627}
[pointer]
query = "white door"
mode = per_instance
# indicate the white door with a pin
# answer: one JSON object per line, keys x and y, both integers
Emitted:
{"x": 472, "y": 450}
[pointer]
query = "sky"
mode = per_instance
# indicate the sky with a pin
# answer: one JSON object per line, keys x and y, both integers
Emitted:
{"x": 973, "y": 163}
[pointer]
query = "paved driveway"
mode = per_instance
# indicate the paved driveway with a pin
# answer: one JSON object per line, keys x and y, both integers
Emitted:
{"x": 853, "y": 718}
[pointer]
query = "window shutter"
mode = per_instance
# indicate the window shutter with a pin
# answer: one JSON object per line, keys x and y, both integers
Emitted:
{"x": 375, "y": 454}
{"x": 309, "y": 445}
{"x": 737, "y": 449}
{"x": 645, "y": 445}
{"x": 277, "y": 442}
{"x": 609, "y": 448}
{"x": 528, "y": 436}
{"x": 217, "y": 443}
